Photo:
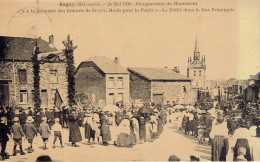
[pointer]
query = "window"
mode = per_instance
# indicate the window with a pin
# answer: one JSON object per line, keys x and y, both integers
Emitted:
{"x": 44, "y": 98}
{"x": 111, "y": 99}
{"x": 54, "y": 76}
{"x": 194, "y": 72}
{"x": 23, "y": 96}
{"x": 120, "y": 82}
{"x": 111, "y": 82}
{"x": 120, "y": 97}
{"x": 200, "y": 73}
{"x": 22, "y": 76}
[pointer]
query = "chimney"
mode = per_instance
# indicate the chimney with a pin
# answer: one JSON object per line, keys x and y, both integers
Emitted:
{"x": 51, "y": 40}
{"x": 176, "y": 69}
{"x": 117, "y": 61}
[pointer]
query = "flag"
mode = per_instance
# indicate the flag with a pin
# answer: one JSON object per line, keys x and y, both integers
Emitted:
{"x": 58, "y": 100}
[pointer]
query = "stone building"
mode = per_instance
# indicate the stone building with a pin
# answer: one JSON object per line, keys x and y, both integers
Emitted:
{"x": 103, "y": 81}
{"x": 159, "y": 86}
{"x": 16, "y": 72}
{"x": 196, "y": 69}
{"x": 252, "y": 92}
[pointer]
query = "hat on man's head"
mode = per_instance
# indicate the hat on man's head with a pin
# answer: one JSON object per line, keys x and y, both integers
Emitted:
{"x": 44, "y": 118}
{"x": 29, "y": 119}
{"x": 16, "y": 119}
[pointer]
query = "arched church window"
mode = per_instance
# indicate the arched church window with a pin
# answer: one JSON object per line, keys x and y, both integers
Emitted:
{"x": 194, "y": 72}
{"x": 200, "y": 73}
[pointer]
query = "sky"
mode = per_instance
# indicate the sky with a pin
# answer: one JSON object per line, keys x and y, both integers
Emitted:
{"x": 230, "y": 41}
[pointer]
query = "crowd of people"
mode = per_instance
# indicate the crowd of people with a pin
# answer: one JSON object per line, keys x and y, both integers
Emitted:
{"x": 225, "y": 133}
{"x": 128, "y": 127}
{"x": 122, "y": 129}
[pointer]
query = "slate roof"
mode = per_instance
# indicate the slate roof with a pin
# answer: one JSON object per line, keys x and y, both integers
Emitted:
{"x": 105, "y": 64}
{"x": 159, "y": 74}
{"x": 21, "y": 48}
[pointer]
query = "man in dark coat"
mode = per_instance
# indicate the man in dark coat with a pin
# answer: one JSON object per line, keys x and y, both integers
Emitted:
{"x": 30, "y": 113}
{"x": 47, "y": 114}
{"x": 65, "y": 114}
{"x": 22, "y": 118}
{"x": 52, "y": 117}
{"x": 4, "y": 130}
{"x": 74, "y": 133}
{"x": 37, "y": 118}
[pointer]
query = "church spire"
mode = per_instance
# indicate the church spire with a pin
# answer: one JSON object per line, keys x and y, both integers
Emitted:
{"x": 196, "y": 51}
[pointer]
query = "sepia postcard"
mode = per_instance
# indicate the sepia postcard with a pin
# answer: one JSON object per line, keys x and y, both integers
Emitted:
{"x": 130, "y": 80}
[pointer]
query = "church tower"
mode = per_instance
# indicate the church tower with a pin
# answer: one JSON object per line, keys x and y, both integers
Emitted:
{"x": 196, "y": 69}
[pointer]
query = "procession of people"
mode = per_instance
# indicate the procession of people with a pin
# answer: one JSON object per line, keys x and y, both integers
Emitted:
{"x": 122, "y": 128}
{"x": 127, "y": 127}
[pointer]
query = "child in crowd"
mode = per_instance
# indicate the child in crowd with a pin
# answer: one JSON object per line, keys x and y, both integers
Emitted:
{"x": 30, "y": 131}
{"x": 241, "y": 154}
{"x": 57, "y": 129}
{"x": 18, "y": 133}
{"x": 44, "y": 131}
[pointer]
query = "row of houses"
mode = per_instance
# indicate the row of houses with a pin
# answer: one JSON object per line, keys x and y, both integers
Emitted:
{"x": 105, "y": 81}
{"x": 252, "y": 91}
{"x": 101, "y": 80}
{"x": 247, "y": 90}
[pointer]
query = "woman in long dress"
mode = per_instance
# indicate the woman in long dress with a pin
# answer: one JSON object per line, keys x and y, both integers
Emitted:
{"x": 105, "y": 132}
{"x": 96, "y": 125}
{"x": 180, "y": 118}
{"x": 220, "y": 144}
{"x": 148, "y": 129}
{"x": 113, "y": 128}
{"x": 136, "y": 129}
{"x": 142, "y": 131}
{"x": 89, "y": 129}
{"x": 124, "y": 139}
{"x": 241, "y": 139}
{"x": 74, "y": 133}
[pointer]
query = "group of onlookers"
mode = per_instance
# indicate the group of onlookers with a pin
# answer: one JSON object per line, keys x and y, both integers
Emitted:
{"x": 225, "y": 135}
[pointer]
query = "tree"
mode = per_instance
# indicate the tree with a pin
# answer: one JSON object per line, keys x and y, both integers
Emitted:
{"x": 36, "y": 78}
{"x": 70, "y": 69}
